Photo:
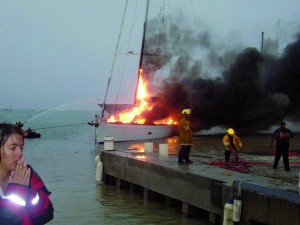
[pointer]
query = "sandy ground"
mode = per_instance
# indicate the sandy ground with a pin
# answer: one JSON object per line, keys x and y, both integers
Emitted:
{"x": 256, "y": 153}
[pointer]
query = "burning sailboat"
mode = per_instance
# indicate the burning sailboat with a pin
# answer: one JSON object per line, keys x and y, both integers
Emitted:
{"x": 132, "y": 124}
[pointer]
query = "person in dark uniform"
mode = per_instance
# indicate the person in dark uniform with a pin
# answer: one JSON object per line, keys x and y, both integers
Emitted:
{"x": 282, "y": 138}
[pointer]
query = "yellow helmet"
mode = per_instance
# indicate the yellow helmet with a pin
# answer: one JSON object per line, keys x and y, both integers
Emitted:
{"x": 186, "y": 111}
{"x": 230, "y": 131}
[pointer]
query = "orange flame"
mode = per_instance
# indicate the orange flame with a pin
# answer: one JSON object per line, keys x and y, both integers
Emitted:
{"x": 142, "y": 87}
{"x": 134, "y": 115}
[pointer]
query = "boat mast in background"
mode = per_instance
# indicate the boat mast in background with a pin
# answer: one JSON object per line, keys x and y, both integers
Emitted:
{"x": 262, "y": 42}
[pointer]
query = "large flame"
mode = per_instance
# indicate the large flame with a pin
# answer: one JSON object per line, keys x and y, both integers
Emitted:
{"x": 142, "y": 104}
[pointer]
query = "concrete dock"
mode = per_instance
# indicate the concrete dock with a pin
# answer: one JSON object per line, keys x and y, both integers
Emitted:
{"x": 202, "y": 187}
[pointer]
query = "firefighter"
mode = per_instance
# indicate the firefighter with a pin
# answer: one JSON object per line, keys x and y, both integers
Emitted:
{"x": 185, "y": 137}
{"x": 19, "y": 124}
{"x": 232, "y": 143}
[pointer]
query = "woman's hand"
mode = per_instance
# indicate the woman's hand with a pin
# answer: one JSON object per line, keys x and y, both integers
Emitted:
{"x": 21, "y": 175}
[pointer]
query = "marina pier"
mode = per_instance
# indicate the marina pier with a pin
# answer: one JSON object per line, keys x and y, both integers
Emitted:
{"x": 199, "y": 188}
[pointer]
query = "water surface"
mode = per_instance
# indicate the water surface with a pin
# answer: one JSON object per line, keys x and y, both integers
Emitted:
{"x": 64, "y": 158}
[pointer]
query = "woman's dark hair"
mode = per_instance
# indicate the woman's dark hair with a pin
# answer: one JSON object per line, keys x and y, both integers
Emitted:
{"x": 7, "y": 129}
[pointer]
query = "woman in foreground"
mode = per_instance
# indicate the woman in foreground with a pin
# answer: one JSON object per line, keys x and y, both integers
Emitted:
{"x": 24, "y": 197}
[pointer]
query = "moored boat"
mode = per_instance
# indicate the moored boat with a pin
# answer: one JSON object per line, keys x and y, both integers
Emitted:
{"x": 29, "y": 133}
{"x": 132, "y": 132}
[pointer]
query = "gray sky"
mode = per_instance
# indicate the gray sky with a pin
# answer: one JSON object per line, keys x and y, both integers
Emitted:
{"x": 58, "y": 53}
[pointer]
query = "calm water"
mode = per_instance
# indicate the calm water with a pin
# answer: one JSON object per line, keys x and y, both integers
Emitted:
{"x": 64, "y": 158}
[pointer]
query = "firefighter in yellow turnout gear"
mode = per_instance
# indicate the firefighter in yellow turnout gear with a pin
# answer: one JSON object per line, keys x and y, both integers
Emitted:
{"x": 185, "y": 137}
{"x": 232, "y": 143}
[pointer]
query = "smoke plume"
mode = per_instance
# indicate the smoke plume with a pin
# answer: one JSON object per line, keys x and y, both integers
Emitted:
{"x": 234, "y": 87}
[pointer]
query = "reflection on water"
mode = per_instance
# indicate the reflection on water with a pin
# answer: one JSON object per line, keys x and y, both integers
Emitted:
{"x": 124, "y": 207}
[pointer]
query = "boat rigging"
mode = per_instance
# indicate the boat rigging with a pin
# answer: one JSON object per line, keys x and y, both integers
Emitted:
{"x": 132, "y": 124}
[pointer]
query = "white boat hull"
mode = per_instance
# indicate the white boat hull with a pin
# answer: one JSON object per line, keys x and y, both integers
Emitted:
{"x": 132, "y": 132}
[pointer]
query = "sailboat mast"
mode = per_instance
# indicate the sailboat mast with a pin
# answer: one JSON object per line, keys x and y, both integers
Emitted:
{"x": 142, "y": 51}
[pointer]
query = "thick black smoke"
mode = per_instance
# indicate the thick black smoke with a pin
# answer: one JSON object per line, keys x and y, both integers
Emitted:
{"x": 248, "y": 90}
{"x": 286, "y": 78}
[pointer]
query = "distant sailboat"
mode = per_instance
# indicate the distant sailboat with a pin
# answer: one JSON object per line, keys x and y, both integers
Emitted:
{"x": 40, "y": 109}
{"x": 130, "y": 130}
{"x": 7, "y": 109}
